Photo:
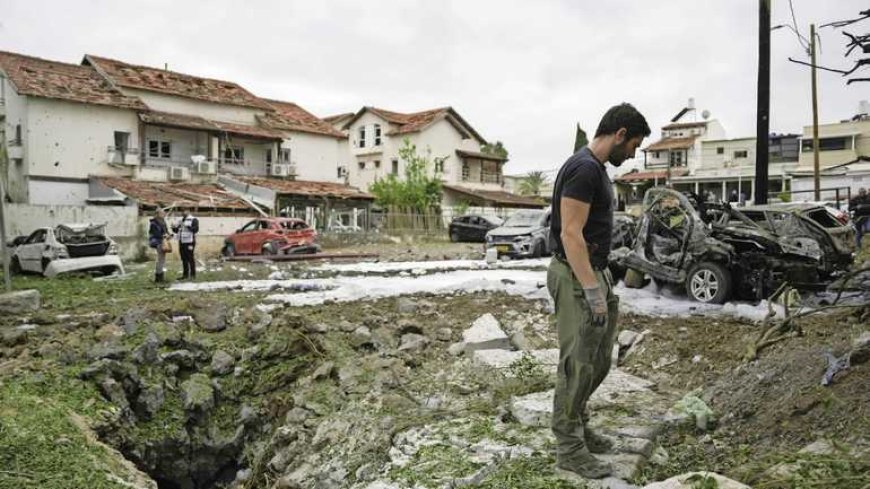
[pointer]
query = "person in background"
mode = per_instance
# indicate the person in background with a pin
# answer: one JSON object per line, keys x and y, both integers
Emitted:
{"x": 860, "y": 208}
{"x": 186, "y": 230}
{"x": 157, "y": 232}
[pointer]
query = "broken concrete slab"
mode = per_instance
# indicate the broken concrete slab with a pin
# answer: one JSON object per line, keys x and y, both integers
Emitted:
{"x": 626, "y": 338}
{"x": 690, "y": 480}
{"x": 485, "y": 333}
{"x": 625, "y": 465}
{"x": 20, "y": 301}
{"x": 502, "y": 359}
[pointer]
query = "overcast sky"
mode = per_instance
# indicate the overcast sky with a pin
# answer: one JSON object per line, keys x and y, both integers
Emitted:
{"x": 523, "y": 72}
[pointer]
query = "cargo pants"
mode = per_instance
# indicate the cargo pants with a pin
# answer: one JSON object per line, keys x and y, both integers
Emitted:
{"x": 584, "y": 353}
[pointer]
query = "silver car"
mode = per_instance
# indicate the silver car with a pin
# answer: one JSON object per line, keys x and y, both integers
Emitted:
{"x": 523, "y": 234}
{"x": 64, "y": 249}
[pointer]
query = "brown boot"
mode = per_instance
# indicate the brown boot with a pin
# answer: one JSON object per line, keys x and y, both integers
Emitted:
{"x": 582, "y": 465}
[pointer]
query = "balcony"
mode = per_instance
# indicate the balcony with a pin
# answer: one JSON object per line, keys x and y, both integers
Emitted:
{"x": 482, "y": 177}
{"x": 122, "y": 156}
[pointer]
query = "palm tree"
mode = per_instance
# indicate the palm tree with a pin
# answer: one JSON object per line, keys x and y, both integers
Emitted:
{"x": 533, "y": 183}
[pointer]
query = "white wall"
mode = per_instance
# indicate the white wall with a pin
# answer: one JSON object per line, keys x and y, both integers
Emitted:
{"x": 182, "y": 105}
{"x": 16, "y": 113}
{"x": 44, "y": 192}
{"x": 68, "y": 139}
{"x": 712, "y": 160}
{"x": 185, "y": 143}
{"x": 316, "y": 157}
{"x": 23, "y": 219}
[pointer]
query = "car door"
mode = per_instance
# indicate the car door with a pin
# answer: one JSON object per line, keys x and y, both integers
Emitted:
{"x": 242, "y": 240}
{"x": 30, "y": 253}
{"x": 476, "y": 229}
{"x": 460, "y": 227}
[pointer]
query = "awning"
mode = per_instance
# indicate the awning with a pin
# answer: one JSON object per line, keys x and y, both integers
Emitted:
{"x": 182, "y": 121}
{"x": 641, "y": 176}
{"x": 497, "y": 198}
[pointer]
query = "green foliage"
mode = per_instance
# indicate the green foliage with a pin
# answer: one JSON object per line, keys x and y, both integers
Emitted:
{"x": 535, "y": 472}
{"x": 580, "y": 139}
{"x": 496, "y": 149}
{"x": 419, "y": 190}
{"x": 461, "y": 208}
{"x": 784, "y": 196}
{"x": 703, "y": 482}
{"x": 526, "y": 367}
{"x": 533, "y": 182}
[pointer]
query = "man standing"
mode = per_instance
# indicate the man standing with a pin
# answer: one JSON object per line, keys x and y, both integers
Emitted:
{"x": 581, "y": 285}
{"x": 860, "y": 208}
{"x": 186, "y": 229}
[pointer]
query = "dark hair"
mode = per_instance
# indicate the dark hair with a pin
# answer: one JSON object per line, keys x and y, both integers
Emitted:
{"x": 623, "y": 115}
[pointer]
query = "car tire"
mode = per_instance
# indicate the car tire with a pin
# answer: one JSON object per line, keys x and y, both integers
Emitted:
{"x": 15, "y": 266}
{"x": 229, "y": 250}
{"x": 709, "y": 282}
{"x": 454, "y": 236}
{"x": 538, "y": 250}
{"x": 269, "y": 249}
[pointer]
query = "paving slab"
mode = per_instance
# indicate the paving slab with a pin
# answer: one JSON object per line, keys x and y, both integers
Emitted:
{"x": 485, "y": 333}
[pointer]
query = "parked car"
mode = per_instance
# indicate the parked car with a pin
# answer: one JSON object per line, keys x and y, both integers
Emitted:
{"x": 732, "y": 255}
{"x": 272, "y": 236}
{"x": 524, "y": 234}
{"x": 64, "y": 249}
{"x": 472, "y": 228}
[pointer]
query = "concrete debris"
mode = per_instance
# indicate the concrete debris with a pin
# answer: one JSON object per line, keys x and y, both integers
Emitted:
{"x": 20, "y": 302}
{"x": 485, "y": 334}
{"x": 860, "y": 349}
{"x": 695, "y": 479}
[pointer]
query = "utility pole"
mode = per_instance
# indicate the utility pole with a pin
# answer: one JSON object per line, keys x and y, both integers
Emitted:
{"x": 816, "y": 178}
{"x": 4, "y": 255}
{"x": 762, "y": 132}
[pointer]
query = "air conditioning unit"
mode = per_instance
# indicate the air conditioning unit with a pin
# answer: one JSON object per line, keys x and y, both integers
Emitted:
{"x": 342, "y": 171}
{"x": 283, "y": 170}
{"x": 206, "y": 168}
{"x": 179, "y": 173}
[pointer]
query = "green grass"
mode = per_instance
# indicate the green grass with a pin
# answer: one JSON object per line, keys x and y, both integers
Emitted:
{"x": 434, "y": 464}
{"x": 40, "y": 446}
{"x": 535, "y": 472}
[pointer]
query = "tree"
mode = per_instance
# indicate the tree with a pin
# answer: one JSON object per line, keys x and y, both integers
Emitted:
{"x": 580, "y": 139}
{"x": 496, "y": 149}
{"x": 418, "y": 192}
{"x": 533, "y": 183}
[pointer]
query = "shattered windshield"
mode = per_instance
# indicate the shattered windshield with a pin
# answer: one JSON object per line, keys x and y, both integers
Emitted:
{"x": 524, "y": 219}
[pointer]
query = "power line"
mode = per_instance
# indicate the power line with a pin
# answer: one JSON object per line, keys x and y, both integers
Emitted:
{"x": 801, "y": 39}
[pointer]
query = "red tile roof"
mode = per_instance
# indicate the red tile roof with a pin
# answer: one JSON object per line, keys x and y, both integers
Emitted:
{"x": 198, "y": 123}
{"x": 332, "y": 119}
{"x": 50, "y": 79}
{"x": 639, "y": 176}
{"x": 249, "y": 131}
{"x": 162, "y": 194}
{"x": 496, "y": 197}
{"x": 173, "y": 83}
{"x": 417, "y": 121}
{"x": 308, "y": 188}
{"x": 684, "y": 125}
{"x": 671, "y": 143}
{"x": 291, "y": 117}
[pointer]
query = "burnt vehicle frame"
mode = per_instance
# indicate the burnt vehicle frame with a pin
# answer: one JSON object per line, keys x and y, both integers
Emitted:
{"x": 722, "y": 254}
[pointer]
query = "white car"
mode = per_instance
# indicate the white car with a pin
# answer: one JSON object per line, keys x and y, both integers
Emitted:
{"x": 66, "y": 248}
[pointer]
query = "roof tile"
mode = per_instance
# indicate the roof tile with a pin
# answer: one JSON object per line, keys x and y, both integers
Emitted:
{"x": 291, "y": 117}
{"x": 51, "y": 79}
{"x": 308, "y": 188}
{"x": 162, "y": 194}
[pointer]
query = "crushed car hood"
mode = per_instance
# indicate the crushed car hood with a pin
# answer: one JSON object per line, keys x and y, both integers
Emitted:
{"x": 512, "y": 231}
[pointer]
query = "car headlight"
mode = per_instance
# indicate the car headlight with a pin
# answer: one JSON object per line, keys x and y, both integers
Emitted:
{"x": 113, "y": 249}
{"x": 525, "y": 237}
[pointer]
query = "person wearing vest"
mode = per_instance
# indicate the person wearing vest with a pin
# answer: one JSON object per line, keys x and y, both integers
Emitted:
{"x": 186, "y": 230}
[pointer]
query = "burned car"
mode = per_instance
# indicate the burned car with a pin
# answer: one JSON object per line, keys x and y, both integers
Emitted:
{"x": 721, "y": 255}
{"x": 66, "y": 248}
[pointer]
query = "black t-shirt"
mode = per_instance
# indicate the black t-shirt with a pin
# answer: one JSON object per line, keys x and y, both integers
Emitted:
{"x": 584, "y": 178}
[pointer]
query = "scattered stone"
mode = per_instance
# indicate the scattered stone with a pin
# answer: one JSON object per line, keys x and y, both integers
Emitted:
{"x": 485, "y": 334}
{"x": 131, "y": 319}
{"x": 625, "y": 465}
{"x": 151, "y": 399}
{"x": 860, "y": 349}
{"x": 297, "y": 415}
{"x": 19, "y": 302}
{"x": 316, "y": 328}
{"x": 13, "y": 337}
{"x": 627, "y": 338}
{"x": 324, "y": 371}
{"x": 181, "y": 358}
{"x": 263, "y": 321}
{"x": 212, "y": 318}
{"x": 248, "y": 415}
{"x": 444, "y": 334}
{"x": 519, "y": 341}
{"x": 819, "y": 447}
{"x": 222, "y": 363}
{"x": 413, "y": 342}
{"x": 503, "y": 359}
{"x": 347, "y": 326}
{"x": 660, "y": 456}
{"x": 456, "y": 349}
{"x": 147, "y": 352}
{"x": 664, "y": 361}
{"x": 114, "y": 351}
{"x": 108, "y": 332}
{"x": 405, "y": 305}
{"x": 360, "y": 337}
{"x": 197, "y": 393}
{"x": 695, "y": 479}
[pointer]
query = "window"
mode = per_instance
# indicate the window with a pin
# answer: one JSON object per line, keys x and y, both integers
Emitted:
{"x": 828, "y": 144}
{"x": 720, "y": 150}
{"x": 251, "y": 226}
{"x": 741, "y": 154}
{"x": 439, "y": 165}
{"x": 395, "y": 169}
{"x": 377, "y": 163}
{"x": 159, "y": 149}
{"x": 377, "y": 134}
{"x": 342, "y": 172}
{"x": 285, "y": 155}
{"x": 676, "y": 158}
{"x": 269, "y": 155}
{"x": 362, "y": 136}
{"x": 655, "y": 154}
{"x": 466, "y": 171}
{"x": 17, "y": 140}
{"x": 235, "y": 156}
{"x": 122, "y": 140}
{"x": 362, "y": 165}
{"x": 38, "y": 236}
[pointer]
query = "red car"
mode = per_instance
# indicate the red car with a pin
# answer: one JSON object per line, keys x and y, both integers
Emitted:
{"x": 272, "y": 236}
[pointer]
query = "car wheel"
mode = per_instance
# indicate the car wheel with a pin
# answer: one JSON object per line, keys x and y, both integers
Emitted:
{"x": 269, "y": 249}
{"x": 229, "y": 250}
{"x": 539, "y": 249}
{"x": 15, "y": 266}
{"x": 454, "y": 236}
{"x": 709, "y": 282}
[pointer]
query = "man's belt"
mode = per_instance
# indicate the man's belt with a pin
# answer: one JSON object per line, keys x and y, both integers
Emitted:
{"x": 596, "y": 264}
